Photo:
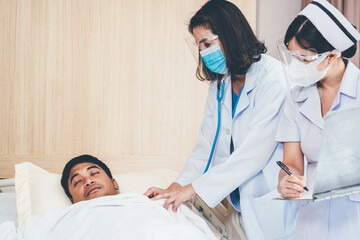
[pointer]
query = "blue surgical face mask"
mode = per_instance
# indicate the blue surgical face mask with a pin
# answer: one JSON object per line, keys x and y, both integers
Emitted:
{"x": 214, "y": 59}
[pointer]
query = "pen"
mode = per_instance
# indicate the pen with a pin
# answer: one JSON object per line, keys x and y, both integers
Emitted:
{"x": 287, "y": 170}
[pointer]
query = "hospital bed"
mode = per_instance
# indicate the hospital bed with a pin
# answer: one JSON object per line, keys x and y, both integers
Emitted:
{"x": 223, "y": 220}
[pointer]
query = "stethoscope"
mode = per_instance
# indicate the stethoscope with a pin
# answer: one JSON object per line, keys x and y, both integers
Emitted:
{"x": 219, "y": 96}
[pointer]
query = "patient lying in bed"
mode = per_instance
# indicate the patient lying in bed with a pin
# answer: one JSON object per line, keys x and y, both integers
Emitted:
{"x": 86, "y": 177}
{"x": 99, "y": 212}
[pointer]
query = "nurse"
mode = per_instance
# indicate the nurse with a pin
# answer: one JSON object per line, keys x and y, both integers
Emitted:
{"x": 316, "y": 48}
{"x": 248, "y": 88}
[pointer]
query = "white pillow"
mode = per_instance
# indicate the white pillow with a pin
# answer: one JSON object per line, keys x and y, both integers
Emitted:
{"x": 38, "y": 190}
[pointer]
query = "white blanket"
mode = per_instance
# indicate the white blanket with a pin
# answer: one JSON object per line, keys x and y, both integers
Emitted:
{"x": 124, "y": 216}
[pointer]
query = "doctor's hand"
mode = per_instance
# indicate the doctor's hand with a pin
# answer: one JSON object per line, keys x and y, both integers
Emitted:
{"x": 154, "y": 191}
{"x": 178, "y": 196}
{"x": 291, "y": 186}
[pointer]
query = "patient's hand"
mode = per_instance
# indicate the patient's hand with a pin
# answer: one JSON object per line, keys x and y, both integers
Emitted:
{"x": 155, "y": 192}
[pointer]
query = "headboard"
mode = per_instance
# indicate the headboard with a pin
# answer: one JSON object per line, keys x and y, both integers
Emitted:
{"x": 117, "y": 164}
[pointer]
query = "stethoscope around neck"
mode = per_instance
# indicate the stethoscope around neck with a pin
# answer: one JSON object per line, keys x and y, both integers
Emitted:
{"x": 219, "y": 96}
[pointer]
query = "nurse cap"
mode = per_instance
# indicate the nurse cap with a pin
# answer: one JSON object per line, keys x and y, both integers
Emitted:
{"x": 334, "y": 27}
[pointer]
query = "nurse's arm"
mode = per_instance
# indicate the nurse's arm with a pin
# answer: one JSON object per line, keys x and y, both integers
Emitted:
{"x": 292, "y": 186}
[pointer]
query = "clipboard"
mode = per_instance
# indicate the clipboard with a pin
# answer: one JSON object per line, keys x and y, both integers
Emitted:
{"x": 338, "y": 168}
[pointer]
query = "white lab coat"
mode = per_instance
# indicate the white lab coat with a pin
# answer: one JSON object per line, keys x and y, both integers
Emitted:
{"x": 302, "y": 122}
{"x": 251, "y": 167}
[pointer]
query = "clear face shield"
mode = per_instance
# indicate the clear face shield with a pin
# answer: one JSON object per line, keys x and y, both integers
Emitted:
{"x": 208, "y": 56}
{"x": 194, "y": 50}
{"x": 302, "y": 67}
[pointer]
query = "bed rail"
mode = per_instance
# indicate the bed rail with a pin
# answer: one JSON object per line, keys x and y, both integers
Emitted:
{"x": 223, "y": 217}
{"x": 7, "y": 185}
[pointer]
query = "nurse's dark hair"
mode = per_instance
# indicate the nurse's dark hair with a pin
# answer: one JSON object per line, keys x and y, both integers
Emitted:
{"x": 239, "y": 42}
{"x": 75, "y": 161}
{"x": 308, "y": 37}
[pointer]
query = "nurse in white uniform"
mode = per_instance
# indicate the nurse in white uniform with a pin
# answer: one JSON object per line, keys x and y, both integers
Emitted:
{"x": 248, "y": 88}
{"x": 316, "y": 47}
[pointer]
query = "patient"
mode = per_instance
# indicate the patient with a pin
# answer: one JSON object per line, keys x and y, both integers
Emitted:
{"x": 130, "y": 216}
{"x": 86, "y": 177}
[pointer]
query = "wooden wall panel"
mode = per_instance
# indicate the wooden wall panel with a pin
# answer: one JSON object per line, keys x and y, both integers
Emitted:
{"x": 106, "y": 77}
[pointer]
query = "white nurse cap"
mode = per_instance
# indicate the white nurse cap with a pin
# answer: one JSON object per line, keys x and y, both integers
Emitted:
{"x": 334, "y": 27}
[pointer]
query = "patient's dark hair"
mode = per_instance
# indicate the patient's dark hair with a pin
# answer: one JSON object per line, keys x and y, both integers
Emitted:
{"x": 308, "y": 37}
{"x": 241, "y": 47}
{"x": 75, "y": 161}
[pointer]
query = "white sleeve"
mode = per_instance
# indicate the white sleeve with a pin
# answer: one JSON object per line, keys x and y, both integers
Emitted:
{"x": 254, "y": 152}
{"x": 288, "y": 130}
{"x": 196, "y": 163}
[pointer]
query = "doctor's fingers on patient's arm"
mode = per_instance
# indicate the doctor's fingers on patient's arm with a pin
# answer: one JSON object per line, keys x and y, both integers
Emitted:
{"x": 167, "y": 203}
{"x": 154, "y": 191}
{"x": 175, "y": 201}
{"x": 162, "y": 195}
{"x": 181, "y": 195}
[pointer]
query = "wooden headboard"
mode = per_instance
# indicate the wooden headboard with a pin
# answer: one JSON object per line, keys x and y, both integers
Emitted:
{"x": 112, "y": 78}
{"x": 117, "y": 164}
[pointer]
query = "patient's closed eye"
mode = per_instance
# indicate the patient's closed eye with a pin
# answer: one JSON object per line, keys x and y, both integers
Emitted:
{"x": 77, "y": 182}
{"x": 92, "y": 174}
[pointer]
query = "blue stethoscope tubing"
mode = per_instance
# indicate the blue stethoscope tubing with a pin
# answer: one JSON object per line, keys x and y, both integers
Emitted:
{"x": 219, "y": 99}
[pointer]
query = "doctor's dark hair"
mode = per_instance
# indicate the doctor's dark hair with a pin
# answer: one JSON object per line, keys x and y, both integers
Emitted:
{"x": 308, "y": 37}
{"x": 75, "y": 161}
{"x": 241, "y": 47}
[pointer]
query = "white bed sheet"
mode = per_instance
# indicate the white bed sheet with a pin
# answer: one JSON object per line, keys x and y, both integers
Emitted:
{"x": 8, "y": 210}
{"x": 127, "y": 216}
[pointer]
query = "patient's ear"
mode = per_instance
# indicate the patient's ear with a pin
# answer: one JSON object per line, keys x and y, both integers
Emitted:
{"x": 115, "y": 184}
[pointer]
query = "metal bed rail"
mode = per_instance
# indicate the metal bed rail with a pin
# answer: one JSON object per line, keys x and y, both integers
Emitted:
{"x": 223, "y": 217}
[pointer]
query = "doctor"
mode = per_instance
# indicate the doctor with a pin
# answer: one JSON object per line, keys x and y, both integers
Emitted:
{"x": 316, "y": 47}
{"x": 245, "y": 97}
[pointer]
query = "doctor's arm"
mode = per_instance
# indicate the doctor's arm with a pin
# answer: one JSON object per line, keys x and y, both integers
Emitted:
{"x": 253, "y": 153}
{"x": 248, "y": 159}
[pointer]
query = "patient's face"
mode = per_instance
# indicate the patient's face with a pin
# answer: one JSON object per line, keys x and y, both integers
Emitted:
{"x": 88, "y": 181}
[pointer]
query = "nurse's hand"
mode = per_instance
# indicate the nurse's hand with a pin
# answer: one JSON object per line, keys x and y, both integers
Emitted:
{"x": 291, "y": 186}
{"x": 154, "y": 191}
{"x": 178, "y": 196}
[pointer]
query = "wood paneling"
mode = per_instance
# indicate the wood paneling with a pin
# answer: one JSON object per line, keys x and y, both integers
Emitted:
{"x": 105, "y": 77}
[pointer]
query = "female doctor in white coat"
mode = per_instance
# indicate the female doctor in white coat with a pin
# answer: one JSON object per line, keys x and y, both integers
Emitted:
{"x": 318, "y": 43}
{"x": 251, "y": 89}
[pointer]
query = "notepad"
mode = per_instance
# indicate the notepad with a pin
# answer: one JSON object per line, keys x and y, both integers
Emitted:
{"x": 338, "y": 168}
